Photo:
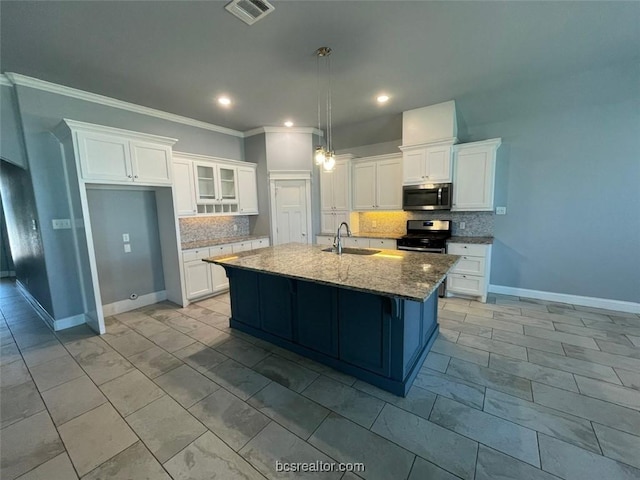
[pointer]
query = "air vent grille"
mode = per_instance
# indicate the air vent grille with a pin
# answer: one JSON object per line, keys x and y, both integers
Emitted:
{"x": 249, "y": 11}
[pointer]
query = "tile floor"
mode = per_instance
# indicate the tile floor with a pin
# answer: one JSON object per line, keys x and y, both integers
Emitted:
{"x": 514, "y": 389}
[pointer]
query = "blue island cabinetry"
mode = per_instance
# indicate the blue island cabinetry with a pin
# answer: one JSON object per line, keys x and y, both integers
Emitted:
{"x": 380, "y": 339}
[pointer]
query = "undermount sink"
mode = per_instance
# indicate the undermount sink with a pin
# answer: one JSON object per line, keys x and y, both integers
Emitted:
{"x": 353, "y": 251}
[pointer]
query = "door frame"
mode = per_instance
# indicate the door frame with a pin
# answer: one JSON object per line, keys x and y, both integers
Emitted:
{"x": 296, "y": 175}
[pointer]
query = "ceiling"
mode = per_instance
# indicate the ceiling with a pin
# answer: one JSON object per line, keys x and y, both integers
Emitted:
{"x": 178, "y": 56}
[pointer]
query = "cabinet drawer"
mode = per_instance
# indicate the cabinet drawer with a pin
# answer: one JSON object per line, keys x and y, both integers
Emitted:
{"x": 324, "y": 240}
{"x": 467, "y": 249}
{"x": 469, "y": 265}
{"x": 382, "y": 243}
{"x": 197, "y": 254}
{"x": 241, "y": 247}
{"x": 261, "y": 243}
{"x": 467, "y": 284}
{"x": 221, "y": 250}
{"x": 355, "y": 242}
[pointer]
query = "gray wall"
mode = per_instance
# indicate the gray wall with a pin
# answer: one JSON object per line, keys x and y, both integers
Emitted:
{"x": 11, "y": 140}
{"x": 6, "y": 262}
{"x": 114, "y": 212}
{"x": 568, "y": 173}
{"x": 255, "y": 148}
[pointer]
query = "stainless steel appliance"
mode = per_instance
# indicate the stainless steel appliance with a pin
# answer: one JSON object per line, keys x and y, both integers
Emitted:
{"x": 429, "y": 236}
{"x": 431, "y": 196}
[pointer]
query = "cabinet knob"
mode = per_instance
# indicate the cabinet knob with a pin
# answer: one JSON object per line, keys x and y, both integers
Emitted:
{"x": 129, "y": 176}
{"x": 136, "y": 176}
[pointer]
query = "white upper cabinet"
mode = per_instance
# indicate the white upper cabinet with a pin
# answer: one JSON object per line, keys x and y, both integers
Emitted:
{"x": 426, "y": 164}
{"x": 183, "y": 187}
{"x": 248, "y": 190}
{"x": 474, "y": 175}
{"x": 334, "y": 185}
{"x": 377, "y": 183}
{"x": 111, "y": 155}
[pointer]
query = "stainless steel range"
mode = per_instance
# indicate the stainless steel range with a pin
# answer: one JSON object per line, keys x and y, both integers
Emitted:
{"x": 429, "y": 236}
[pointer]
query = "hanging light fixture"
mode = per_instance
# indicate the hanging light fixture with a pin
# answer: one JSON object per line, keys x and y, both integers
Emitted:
{"x": 324, "y": 154}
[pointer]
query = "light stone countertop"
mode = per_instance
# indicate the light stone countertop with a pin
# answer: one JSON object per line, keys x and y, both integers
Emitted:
{"x": 473, "y": 240}
{"x": 393, "y": 273}
{"x": 212, "y": 242}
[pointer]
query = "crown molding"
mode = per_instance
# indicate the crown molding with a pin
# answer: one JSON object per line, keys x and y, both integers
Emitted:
{"x": 67, "y": 126}
{"x": 25, "y": 81}
{"x": 260, "y": 130}
{"x": 5, "y": 81}
{"x": 208, "y": 158}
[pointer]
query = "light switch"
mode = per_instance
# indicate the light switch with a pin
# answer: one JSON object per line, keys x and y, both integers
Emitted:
{"x": 125, "y": 237}
{"x": 61, "y": 223}
{"x": 127, "y": 248}
{"x": 501, "y": 210}
{"x": 463, "y": 225}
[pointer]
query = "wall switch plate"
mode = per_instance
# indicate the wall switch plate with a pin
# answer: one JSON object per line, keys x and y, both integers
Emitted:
{"x": 61, "y": 223}
{"x": 463, "y": 225}
{"x": 127, "y": 248}
{"x": 125, "y": 237}
{"x": 501, "y": 210}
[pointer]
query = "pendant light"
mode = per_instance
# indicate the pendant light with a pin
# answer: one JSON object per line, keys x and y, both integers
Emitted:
{"x": 324, "y": 155}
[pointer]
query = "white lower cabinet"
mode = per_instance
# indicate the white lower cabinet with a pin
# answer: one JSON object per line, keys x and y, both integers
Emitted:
{"x": 198, "y": 280}
{"x": 355, "y": 242}
{"x": 359, "y": 242}
{"x": 470, "y": 276}
{"x": 386, "y": 243}
{"x": 331, "y": 220}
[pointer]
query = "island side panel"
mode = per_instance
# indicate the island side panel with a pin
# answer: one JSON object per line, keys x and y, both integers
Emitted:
{"x": 316, "y": 319}
{"x": 245, "y": 296}
{"x": 276, "y": 304}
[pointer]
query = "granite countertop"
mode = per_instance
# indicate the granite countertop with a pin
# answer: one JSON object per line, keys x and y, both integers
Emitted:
{"x": 212, "y": 242}
{"x": 393, "y": 273}
{"x": 474, "y": 240}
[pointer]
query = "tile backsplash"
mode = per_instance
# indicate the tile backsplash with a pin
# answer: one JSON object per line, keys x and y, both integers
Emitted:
{"x": 477, "y": 224}
{"x": 193, "y": 229}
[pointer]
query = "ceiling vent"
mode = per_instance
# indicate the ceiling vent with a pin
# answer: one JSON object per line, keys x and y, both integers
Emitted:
{"x": 250, "y": 11}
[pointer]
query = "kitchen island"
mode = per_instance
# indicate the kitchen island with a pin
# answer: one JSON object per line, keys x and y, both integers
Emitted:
{"x": 372, "y": 316}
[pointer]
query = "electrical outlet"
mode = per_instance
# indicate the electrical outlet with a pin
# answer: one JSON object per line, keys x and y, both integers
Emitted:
{"x": 235, "y": 228}
{"x": 501, "y": 210}
{"x": 463, "y": 225}
{"x": 125, "y": 237}
{"x": 61, "y": 223}
{"x": 127, "y": 248}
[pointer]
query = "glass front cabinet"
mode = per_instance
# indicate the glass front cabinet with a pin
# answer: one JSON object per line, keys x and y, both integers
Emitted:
{"x": 216, "y": 188}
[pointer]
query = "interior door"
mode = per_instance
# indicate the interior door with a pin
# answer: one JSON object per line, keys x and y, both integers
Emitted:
{"x": 291, "y": 211}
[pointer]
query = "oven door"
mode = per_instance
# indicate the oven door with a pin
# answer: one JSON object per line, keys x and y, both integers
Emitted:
{"x": 427, "y": 197}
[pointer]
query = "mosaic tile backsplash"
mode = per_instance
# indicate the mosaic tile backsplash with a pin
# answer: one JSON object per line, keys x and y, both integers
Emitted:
{"x": 205, "y": 228}
{"x": 477, "y": 224}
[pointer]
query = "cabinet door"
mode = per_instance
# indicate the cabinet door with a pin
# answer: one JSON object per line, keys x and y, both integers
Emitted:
{"x": 104, "y": 157}
{"x": 326, "y": 190}
{"x": 324, "y": 240}
{"x": 338, "y": 218}
{"x": 228, "y": 188}
{"x": 474, "y": 179}
{"x": 327, "y": 222}
{"x": 364, "y": 186}
{"x": 205, "y": 182}
{"x": 413, "y": 167}
{"x": 197, "y": 276}
{"x": 219, "y": 278}
{"x": 465, "y": 284}
{"x": 389, "y": 184}
{"x": 241, "y": 247}
{"x": 341, "y": 186}
{"x": 355, "y": 242}
{"x": 438, "y": 164}
{"x": 247, "y": 191}
{"x": 151, "y": 163}
{"x": 261, "y": 243}
{"x": 183, "y": 187}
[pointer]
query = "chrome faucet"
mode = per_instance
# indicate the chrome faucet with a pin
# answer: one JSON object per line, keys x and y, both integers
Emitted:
{"x": 337, "y": 241}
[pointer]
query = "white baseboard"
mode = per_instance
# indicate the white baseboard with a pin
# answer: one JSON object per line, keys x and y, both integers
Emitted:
{"x": 127, "y": 305}
{"x": 54, "y": 324}
{"x": 608, "y": 304}
{"x": 7, "y": 273}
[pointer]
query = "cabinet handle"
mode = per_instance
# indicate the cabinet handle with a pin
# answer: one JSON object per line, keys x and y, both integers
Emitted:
{"x": 129, "y": 176}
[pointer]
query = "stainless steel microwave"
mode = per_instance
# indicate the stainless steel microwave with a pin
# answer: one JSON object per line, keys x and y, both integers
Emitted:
{"x": 432, "y": 196}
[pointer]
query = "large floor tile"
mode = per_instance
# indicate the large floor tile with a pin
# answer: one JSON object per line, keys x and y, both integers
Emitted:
{"x": 155, "y": 361}
{"x": 9, "y": 353}
{"x": 462, "y": 327}
{"x": 437, "y": 362}
{"x": 19, "y": 402}
{"x": 572, "y": 365}
{"x": 231, "y": 419}
{"x": 458, "y": 351}
{"x": 606, "y": 413}
{"x": 296, "y": 412}
{"x": 55, "y": 372}
{"x": 72, "y": 399}
{"x": 524, "y": 320}
{"x": 488, "y": 377}
{"x": 180, "y": 322}
{"x": 96, "y": 436}
{"x": 531, "y": 371}
{"x": 209, "y": 454}
{"x": 619, "y": 445}
{"x": 275, "y": 444}
{"x": 43, "y": 352}
{"x": 165, "y": 427}
{"x": 451, "y": 387}
{"x": 346, "y": 442}
{"x": 106, "y": 366}
{"x": 128, "y": 344}
{"x": 238, "y": 379}
{"x": 440, "y": 446}
{"x": 603, "y": 358}
{"x": 243, "y": 352}
{"x": 171, "y": 340}
{"x": 131, "y": 392}
{"x": 505, "y": 436}
{"x": 573, "y": 463}
{"x": 208, "y": 335}
{"x": 186, "y": 385}
{"x": 58, "y": 468}
{"x": 566, "y": 338}
{"x": 629, "y": 378}
{"x": 31, "y": 336}
{"x": 14, "y": 373}
{"x": 418, "y": 400}
{"x": 542, "y": 419}
{"x": 494, "y": 346}
{"x": 286, "y": 373}
{"x": 627, "y": 397}
{"x": 597, "y": 335}
{"x": 629, "y": 350}
{"x": 135, "y": 463}
{"x": 493, "y": 465}
{"x": 422, "y": 470}
{"x": 493, "y": 323}
{"x": 349, "y": 402}
{"x": 529, "y": 342}
{"x": 148, "y": 326}
{"x": 200, "y": 357}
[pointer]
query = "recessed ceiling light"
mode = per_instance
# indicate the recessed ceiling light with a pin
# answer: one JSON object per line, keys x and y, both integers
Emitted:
{"x": 226, "y": 101}
{"x": 382, "y": 98}
{"x": 288, "y": 123}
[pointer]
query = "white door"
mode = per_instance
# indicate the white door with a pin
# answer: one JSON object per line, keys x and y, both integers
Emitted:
{"x": 389, "y": 184}
{"x": 291, "y": 212}
{"x": 151, "y": 163}
{"x": 438, "y": 164}
{"x": 183, "y": 187}
{"x": 247, "y": 190}
{"x": 364, "y": 186}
